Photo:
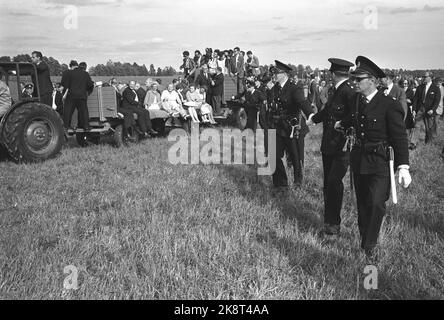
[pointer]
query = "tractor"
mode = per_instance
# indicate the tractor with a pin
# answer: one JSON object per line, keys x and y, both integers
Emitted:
{"x": 30, "y": 131}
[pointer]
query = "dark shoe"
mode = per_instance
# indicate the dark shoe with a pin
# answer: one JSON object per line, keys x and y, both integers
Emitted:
{"x": 130, "y": 138}
{"x": 330, "y": 230}
{"x": 371, "y": 256}
{"x": 153, "y": 132}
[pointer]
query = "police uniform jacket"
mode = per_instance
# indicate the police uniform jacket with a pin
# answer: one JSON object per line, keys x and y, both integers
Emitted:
{"x": 339, "y": 104}
{"x": 378, "y": 124}
{"x": 292, "y": 100}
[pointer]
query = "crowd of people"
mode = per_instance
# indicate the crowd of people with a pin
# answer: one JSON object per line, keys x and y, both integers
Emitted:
{"x": 200, "y": 94}
{"x": 421, "y": 99}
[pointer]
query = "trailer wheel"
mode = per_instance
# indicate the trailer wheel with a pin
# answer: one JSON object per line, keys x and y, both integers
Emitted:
{"x": 240, "y": 118}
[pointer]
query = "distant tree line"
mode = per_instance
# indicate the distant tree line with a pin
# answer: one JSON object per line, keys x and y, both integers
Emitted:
{"x": 126, "y": 69}
{"x": 109, "y": 69}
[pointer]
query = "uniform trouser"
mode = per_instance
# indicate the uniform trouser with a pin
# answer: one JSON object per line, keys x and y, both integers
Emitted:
{"x": 264, "y": 126}
{"x": 295, "y": 150}
{"x": 251, "y": 118}
{"x": 46, "y": 99}
{"x": 426, "y": 123}
{"x": 143, "y": 118}
{"x": 82, "y": 112}
{"x": 372, "y": 191}
{"x": 335, "y": 168}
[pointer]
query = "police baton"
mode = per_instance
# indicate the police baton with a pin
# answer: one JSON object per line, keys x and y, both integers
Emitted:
{"x": 392, "y": 176}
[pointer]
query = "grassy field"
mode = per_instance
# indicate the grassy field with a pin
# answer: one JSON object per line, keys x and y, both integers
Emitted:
{"x": 137, "y": 227}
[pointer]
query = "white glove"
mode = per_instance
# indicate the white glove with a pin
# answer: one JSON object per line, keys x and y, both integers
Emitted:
{"x": 338, "y": 126}
{"x": 310, "y": 121}
{"x": 404, "y": 177}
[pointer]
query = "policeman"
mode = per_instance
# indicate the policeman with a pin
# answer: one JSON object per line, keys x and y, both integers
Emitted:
{"x": 290, "y": 127}
{"x": 335, "y": 161}
{"x": 379, "y": 123}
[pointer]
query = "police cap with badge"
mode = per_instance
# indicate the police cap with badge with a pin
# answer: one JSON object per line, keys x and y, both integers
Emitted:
{"x": 365, "y": 67}
{"x": 340, "y": 66}
{"x": 281, "y": 67}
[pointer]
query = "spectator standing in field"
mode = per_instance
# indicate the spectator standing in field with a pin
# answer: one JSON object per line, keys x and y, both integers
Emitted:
{"x": 323, "y": 95}
{"x": 394, "y": 91}
{"x": 79, "y": 87}
{"x": 425, "y": 104}
{"x": 410, "y": 117}
{"x": 66, "y": 79}
{"x": 312, "y": 92}
{"x": 439, "y": 110}
{"x": 254, "y": 99}
{"x": 58, "y": 99}
{"x": 217, "y": 90}
{"x": 44, "y": 79}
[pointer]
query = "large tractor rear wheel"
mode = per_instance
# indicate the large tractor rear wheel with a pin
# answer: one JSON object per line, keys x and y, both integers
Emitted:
{"x": 33, "y": 132}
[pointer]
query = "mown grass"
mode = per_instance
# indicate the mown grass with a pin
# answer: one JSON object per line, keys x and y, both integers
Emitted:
{"x": 137, "y": 227}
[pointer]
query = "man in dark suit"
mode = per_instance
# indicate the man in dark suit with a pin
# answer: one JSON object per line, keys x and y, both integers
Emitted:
{"x": 217, "y": 90}
{"x": 335, "y": 161}
{"x": 79, "y": 86}
{"x": 204, "y": 80}
{"x": 130, "y": 101}
{"x": 141, "y": 93}
{"x": 291, "y": 102}
{"x": 254, "y": 100}
{"x": 378, "y": 121}
{"x": 313, "y": 92}
{"x": 45, "y": 85}
{"x": 392, "y": 89}
{"x": 238, "y": 69}
{"x": 425, "y": 104}
{"x": 64, "y": 82}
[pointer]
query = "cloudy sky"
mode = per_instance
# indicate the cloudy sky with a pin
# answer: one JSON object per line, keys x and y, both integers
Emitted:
{"x": 405, "y": 34}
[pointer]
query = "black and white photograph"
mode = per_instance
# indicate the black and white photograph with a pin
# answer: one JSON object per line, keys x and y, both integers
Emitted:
{"x": 224, "y": 158}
